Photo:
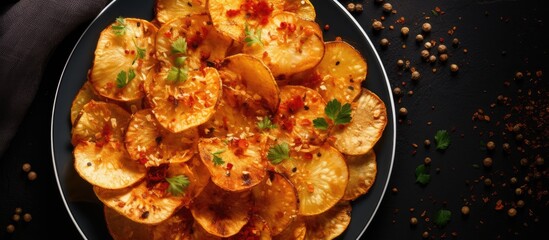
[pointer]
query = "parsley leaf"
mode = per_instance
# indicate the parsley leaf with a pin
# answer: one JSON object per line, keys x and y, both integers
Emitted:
{"x": 266, "y": 123}
{"x": 442, "y": 139}
{"x": 320, "y": 123}
{"x": 422, "y": 174}
{"x": 337, "y": 113}
{"x": 442, "y": 217}
{"x": 177, "y": 74}
{"x": 140, "y": 52}
{"x": 217, "y": 160}
{"x": 123, "y": 78}
{"x": 179, "y": 46}
{"x": 178, "y": 184}
{"x": 279, "y": 153}
{"x": 251, "y": 36}
{"x": 119, "y": 28}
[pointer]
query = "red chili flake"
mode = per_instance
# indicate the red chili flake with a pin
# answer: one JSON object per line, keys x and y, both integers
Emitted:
{"x": 157, "y": 174}
{"x": 168, "y": 34}
{"x": 126, "y": 51}
{"x": 295, "y": 103}
{"x": 305, "y": 122}
{"x": 308, "y": 156}
{"x": 288, "y": 124}
{"x": 260, "y": 10}
{"x": 499, "y": 205}
{"x": 326, "y": 27}
{"x": 229, "y": 166}
{"x": 233, "y": 12}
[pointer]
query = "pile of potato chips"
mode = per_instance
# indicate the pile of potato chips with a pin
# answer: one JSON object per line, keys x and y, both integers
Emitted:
{"x": 226, "y": 120}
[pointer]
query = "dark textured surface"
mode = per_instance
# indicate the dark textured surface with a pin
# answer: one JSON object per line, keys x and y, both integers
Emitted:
{"x": 502, "y": 37}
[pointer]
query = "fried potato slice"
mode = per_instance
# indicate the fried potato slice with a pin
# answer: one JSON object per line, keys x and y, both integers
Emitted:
{"x": 193, "y": 37}
{"x": 84, "y": 95}
{"x": 151, "y": 144}
{"x": 221, "y": 213}
{"x": 177, "y": 227}
{"x": 107, "y": 165}
{"x": 234, "y": 164}
{"x": 199, "y": 233}
{"x": 123, "y": 59}
{"x": 299, "y": 107}
{"x": 330, "y": 224}
{"x": 296, "y": 230}
{"x": 275, "y": 200}
{"x": 122, "y": 228}
{"x": 180, "y": 105}
{"x": 287, "y": 44}
{"x": 339, "y": 75}
{"x": 303, "y": 8}
{"x": 256, "y": 228}
{"x": 320, "y": 178}
{"x": 362, "y": 174}
{"x": 369, "y": 119}
{"x": 166, "y": 10}
{"x": 151, "y": 201}
{"x": 100, "y": 122}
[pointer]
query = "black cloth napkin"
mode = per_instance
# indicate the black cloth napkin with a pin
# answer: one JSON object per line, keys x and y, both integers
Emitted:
{"x": 29, "y": 31}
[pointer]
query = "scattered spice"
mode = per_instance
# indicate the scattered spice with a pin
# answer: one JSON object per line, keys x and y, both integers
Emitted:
{"x": 419, "y": 38}
{"x": 387, "y": 7}
{"x": 404, "y": 31}
{"x": 32, "y": 175}
{"x": 26, "y": 167}
{"x": 426, "y": 27}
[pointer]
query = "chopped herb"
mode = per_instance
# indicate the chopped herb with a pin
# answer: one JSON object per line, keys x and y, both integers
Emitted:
{"x": 442, "y": 139}
{"x": 123, "y": 78}
{"x": 337, "y": 113}
{"x": 279, "y": 153}
{"x": 252, "y": 37}
{"x": 442, "y": 217}
{"x": 178, "y": 184}
{"x": 266, "y": 123}
{"x": 422, "y": 174}
{"x": 177, "y": 74}
{"x": 179, "y": 46}
{"x": 217, "y": 160}
{"x": 179, "y": 61}
{"x": 321, "y": 123}
{"x": 119, "y": 28}
{"x": 140, "y": 52}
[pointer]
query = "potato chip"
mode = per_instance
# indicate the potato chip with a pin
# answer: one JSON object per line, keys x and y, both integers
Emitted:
{"x": 303, "y": 8}
{"x": 166, "y": 10}
{"x": 123, "y": 59}
{"x": 235, "y": 164}
{"x": 100, "y": 122}
{"x": 339, "y": 75}
{"x": 330, "y": 224}
{"x": 362, "y": 174}
{"x": 368, "y": 122}
{"x": 320, "y": 178}
{"x": 177, "y": 227}
{"x": 84, "y": 95}
{"x": 191, "y": 41}
{"x": 123, "y": 228}
{"x": 275, "y": 200}
{"x": 221, "y": 213}
{"x": 107, "y": 165}
{"x": 287, "y": 44}
{"x": 198, "y": 233}
{"x": 151, "y": 144}
{"x": 299, "y": 107}
{"x": 256, "y": 228}
{"x": 295, "y": 231}
{"x": 182, "y": 104}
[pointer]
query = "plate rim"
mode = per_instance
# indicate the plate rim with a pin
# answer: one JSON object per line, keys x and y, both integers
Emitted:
{"x": 391, "y": 104}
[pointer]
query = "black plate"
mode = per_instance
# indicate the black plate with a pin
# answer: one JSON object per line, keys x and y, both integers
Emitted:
{"x": 86, "y": 210}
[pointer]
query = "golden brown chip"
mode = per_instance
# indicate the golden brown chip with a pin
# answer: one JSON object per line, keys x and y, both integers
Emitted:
{"x": 166, "y": 10}
{"x": 320, "y": 178}
{"x": 330, "y": 224}
{"x": 221, "y": 213}
{"x": 362, "y": 174}
{"x": 100, "y": 122}
{"x": 295, "y": 231}
{"x": 123, "y": 228}
{"x": 275, "y": 200}
{"x": 303, "y": 8}
{"x": 107, "y": 165}
{"x": 256, "y": 228}
{"x": 182, "y": 104}
{"x": 177, "y": 227}
{"x": 339, "y": 75}
{"x": 152, "y": 145}
{"x": 199, "y": 233}
{"x": 299, "y": 107}
{"x": 235, "y": 164}
{"x": 192, "y": 38}
{"x": 84, "y": 95}
{"x": 287, "y": 44}
{"x": 369, "y": 119}
{"x": 123, "y": 59}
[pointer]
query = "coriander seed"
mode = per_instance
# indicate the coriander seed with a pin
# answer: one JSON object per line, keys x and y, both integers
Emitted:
{"x": 27, "y": 217}
{"x": 404, "y": 31}
{"x": 487, "y": 162}
{"x": 387, "y": 7}
{"x": 403, "y": 112}
{"x": 512, "y": 212}
{"x": 32, "y": 175}
{"x": 513, "y": 180}
{"x": 426, "y": 27}
{"x": 351, "y": 7}
{"x": 427, "y": 143}
{"x": 419, "y": 38}
{"x": 454, "y": 67}
{"x": 490, "y": 145}
{"x": 397, "y": 91}
{"x": 384, "y": 42}
{"x": 416, "y": 75}
{"x": 10, "y": 228}
{"x": 524, "y": 162}
{"x": 377, "y": 25}
{"x": 518, "y": 191}
{"x": 424, "y": 53}
{"x": 16, "y": 217}
{"x": 520, "y": 203}
{"x": 519, "y": 75}
{"x": 18, "y": 210}
{"x": 465, "y": 210}
{"x": 443, "y": 57}
{"x": 487, "y": 182}
{"x": 413, "y": 221}
{"x": 425, "y": 234}
{"x": 432, "y": 58}
{"x": 427, "y": 161}
{"x": 26, "y": 167}
{"x": 455, "y": 42}
{"x": 540, "y": 161}
{"x": 359, "y": 8}
{"x": 441, "y": 48}
{"x": 400, "y": 63}
{"x": 428, "y": 45}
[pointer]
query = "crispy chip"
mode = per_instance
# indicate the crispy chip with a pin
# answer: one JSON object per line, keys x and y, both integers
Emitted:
{"x": 362, "y": 174}
{"x": 178, "y": 226}
{"x": 100, "y": 122}
{"x": 123, "y": 59}
{"x": 330, "y": 224}
{"x": 123, "y": 228}
{"x": 151, "y": 144}
{"x": 221, "y": 213}
{"x": 275, "y": 200}
{"x": 295, "y": 231}
{"x": 367, "y": 125}
{"x": 256, "y": 228}
{"x": 84, "y": 95}
{"x": 166, "y": 10}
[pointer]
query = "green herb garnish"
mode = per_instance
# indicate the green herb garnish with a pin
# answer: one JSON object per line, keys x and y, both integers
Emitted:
{"x": 442, "y": 139}
{"x": 266, "y": 123}
{"x": 119, "y": 28}
{"x": 442, "y": 217}
{"x": 337, "y": 113}
{"x": 177, "y": 75}
{"x": 123, "y": 78}
{"x": 179, "y": 46}
{"x": 422, "y": 174}
{"x": 279, "y": 153}
{"x": 178, "y": 184}
{"x": 217, "y": 160}
{"x": 252, "y": 37}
